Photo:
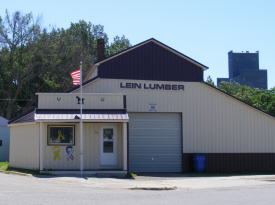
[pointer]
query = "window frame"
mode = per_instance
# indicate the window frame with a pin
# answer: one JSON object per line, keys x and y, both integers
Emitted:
{"x": 60, "y": 143}
{"x": 108, "y": 141}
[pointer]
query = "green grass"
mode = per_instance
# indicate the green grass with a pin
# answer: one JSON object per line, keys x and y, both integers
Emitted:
{"x": 4, "y": 166}
{"x": 131, "y": 175}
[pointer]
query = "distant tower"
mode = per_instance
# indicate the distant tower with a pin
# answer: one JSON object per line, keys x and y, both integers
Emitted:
{"x": 244, "y": 69}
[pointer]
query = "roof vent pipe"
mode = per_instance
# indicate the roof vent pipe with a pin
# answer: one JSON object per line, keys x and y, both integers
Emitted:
{"x": 100, "y": 49}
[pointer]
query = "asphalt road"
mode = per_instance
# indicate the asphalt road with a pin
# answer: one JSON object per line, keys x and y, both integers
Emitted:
{"x": 15, "y": 189}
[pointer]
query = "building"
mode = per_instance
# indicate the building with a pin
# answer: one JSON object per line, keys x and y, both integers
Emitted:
{"x": 244, "y": 69}
{"x": 4, "y": 140}
{"x": 145, "y": 109}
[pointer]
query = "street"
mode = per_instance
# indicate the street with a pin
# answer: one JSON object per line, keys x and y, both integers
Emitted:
{"x": 16, "y": 189}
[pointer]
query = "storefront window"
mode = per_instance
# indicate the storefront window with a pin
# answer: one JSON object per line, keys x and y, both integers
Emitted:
{"x": 60, "y": 135}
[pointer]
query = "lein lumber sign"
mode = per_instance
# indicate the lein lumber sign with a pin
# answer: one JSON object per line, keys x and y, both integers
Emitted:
{"x": 150, "y": 86}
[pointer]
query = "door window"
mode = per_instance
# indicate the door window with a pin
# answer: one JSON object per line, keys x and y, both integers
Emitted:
{"x": 108, "y": 141}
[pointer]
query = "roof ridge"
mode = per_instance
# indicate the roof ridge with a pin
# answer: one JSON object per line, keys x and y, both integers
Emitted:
{"x": 160, "y": 44}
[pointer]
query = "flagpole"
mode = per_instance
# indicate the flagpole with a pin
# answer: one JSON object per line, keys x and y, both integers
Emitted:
{"x": 81, "y": 129}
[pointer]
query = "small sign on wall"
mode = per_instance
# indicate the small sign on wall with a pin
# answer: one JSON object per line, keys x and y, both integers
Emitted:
{"x": 153, "y": 107}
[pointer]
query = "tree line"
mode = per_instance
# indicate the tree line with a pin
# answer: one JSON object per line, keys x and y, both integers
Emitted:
{"x": 259, "y": 98}
{"x": 36, "y": 59}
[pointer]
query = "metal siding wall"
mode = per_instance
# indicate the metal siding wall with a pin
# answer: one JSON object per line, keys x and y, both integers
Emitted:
{"x": 120, "y": 145}
{"x": 5, "y": 148}
{"x": 91, "y": 151}
{"x": 91, "y": 145}
{"x": 150, "y": 62}
{"x": 212, "y": 121}
{"x": 63, "y": 163}
{"x": 69, "y": 101}
{"x": 24, "y": 147}
{"x": 155, "y": 142}
{"x": 233, "y": 162}
{"x": 138, "y": 100}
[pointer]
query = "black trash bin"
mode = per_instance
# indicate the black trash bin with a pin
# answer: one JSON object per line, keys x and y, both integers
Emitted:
{"x": 199, "y": 162}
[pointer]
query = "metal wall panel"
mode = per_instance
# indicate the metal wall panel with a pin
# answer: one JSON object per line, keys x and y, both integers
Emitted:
{"x": 70, "y": 101}
{"x": 5, "y": 140}
{"x": 155, "y": 142}
{"x": 24, "y": 146}
{"x": 91, "y": 151}
{"x": 5, "y": 146}
{"x": 233, "y": 162}
{"x": 150, "y": 62}
{"x": 61, "y": 164}
{"x": 212, "y": 122}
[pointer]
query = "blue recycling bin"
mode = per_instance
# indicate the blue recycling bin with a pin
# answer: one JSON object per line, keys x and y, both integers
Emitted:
{"x": 199, "y": 162}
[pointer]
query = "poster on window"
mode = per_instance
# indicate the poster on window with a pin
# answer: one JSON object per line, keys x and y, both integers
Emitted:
{"x": 61, "y": 135}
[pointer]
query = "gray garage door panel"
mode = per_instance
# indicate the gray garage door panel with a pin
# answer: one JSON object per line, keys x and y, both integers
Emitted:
{"x": 155, "y": 142}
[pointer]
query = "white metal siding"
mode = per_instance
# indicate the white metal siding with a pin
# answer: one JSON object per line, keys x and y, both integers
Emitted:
{"x": 155, "y": 142}
{"x": 24, "y": 146}
{"x": 212, "y": 122}
{"x": 91, "y": 143}
{"x": 69, "y": 101}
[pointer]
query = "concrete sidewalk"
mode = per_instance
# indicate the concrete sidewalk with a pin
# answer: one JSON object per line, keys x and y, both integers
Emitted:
{"x": 164, "y": 181}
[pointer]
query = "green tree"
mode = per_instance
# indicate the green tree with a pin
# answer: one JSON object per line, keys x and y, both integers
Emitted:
{"x": 210, "y": 81}
{"x": 16, "y": 34}
{"x": 259, "y": 98}
{"x": 118, "y": 45}
{"x": 33, "y": 59}
{"x": 231, "y": 89}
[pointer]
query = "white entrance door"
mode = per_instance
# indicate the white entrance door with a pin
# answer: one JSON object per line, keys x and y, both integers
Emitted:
{"x": 108, "y": 145}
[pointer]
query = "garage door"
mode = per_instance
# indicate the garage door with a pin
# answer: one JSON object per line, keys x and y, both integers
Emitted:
{"x": 155, "y": 142}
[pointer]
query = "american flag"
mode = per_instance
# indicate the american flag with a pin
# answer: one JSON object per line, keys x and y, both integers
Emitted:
{"x": 76, "y": 77}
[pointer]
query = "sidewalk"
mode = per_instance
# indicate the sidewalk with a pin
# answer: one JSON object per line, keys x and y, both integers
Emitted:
{"x": 166, "y": 181}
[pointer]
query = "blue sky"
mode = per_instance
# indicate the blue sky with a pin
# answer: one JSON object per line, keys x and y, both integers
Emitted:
{"x": 205, "y": 30}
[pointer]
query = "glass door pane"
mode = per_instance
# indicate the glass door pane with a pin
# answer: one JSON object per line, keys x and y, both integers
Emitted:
{"x": 108, "y": 142}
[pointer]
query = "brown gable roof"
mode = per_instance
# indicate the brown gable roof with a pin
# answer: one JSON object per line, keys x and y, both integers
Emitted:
{"x": 160, "y": 44}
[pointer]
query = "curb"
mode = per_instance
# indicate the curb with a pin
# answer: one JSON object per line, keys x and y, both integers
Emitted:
{"x": 17, "y": 173}
{"x": 154, "y": 188}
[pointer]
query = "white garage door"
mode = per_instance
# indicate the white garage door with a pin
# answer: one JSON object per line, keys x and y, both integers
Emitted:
{"x": 155, "y": 143}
